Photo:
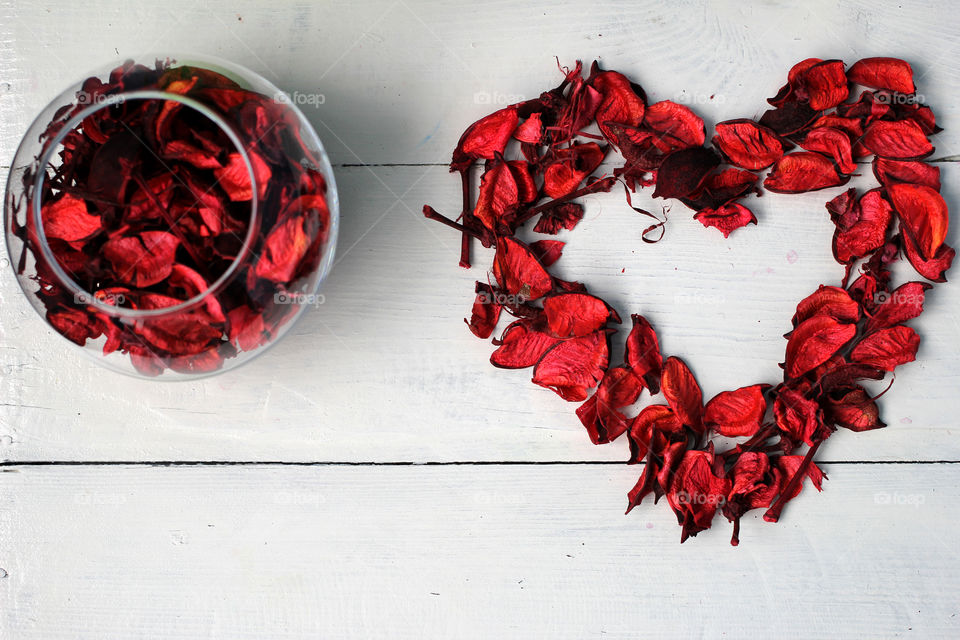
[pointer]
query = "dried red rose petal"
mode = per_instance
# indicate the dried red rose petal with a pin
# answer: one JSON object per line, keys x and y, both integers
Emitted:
{"x": 485, "y": 138}
{"x": 814, "y": 341}
{"x": 883, "y": 73}
{"x": 727, "y": 218}
{"x": 682, "y": 392}
{"x": 890, "y": 171}
{"x": 572, "y": 315}
{"x": 900, "y": 139}
{"x": 834, "y": 143}
{"x": 748, "y": 144}
{"x": 573, "y": 366}
{"x": 736, "y": 413}
{"x": 643, "y": 353}
{"x": 864, "y": 230}
{"x": 923, "y": 212}
{"x": 519, "y": 271}
{"x": 825, "y": 84}
{"x": 68, "y": 219}
{"x": 521, "y": 346}
{"x": 141, "y": 260}
{"x": 887, "y": 348}
{"x": 696, "y": 492}
{"x": 802, "y": 171}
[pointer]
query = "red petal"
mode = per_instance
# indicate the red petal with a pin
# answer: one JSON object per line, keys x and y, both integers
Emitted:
{"x": 695, "y": 493}
{"x": 736, "y": 413}
{"x": 854, "y": 410}
{"x": 826, "y": 84}
{"x": 900, "y": 139}
{"x": 727, "y": 218}
{"x": 519, "y": 271}
{"x": 683, "y": 172}
{"x": 485, "y": 312}
{"x": 887, "y": 348}
{"x": 643, "y": 353}
{"x": 682, "y": 392}
{"x": 883, "y": 73}
{"x": 889, "y": 171}
{"x": 521, "y": 346}
{"x": 485, "y": 138}
{"x": 676, "y": 125}
{"x": 814, "y": 341}
{"x": 531, "y": 130}
{"x": 903, "y": 304}
{"x": 563, "y": 216}
{"x": 834, "y": 143}
{"x": 866, "y": 228}
{"x": 283, "y": 249}
{"x": 571, "y": 315}
{"x": 748, "y": 144}
{"x": 620, "y": 104}
{"x": 833, "y": 302}
{"x": 797, "y": 415}
{"x": 934, "y": 268}
{"x": 571, "y": 167}
{"x": 141, "y": 260}
{"x": 547, "y": 251}
{"x": 654, "y": 418}
{"x": 499, "y": 195}
{"x": 68, "y": 219}
{"x": 923, "y": 212}
{"x": 802, "y": 171}
{"x": 235, "y": 180}
{"x": 573, "y": 366}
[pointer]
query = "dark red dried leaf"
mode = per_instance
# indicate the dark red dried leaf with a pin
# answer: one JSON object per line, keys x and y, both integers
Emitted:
{"x": 684, "y": 171}
{"x": 889, "y": 171}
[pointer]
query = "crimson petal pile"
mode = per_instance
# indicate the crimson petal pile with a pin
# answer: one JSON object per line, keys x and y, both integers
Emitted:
{"x": 147, "y": 205}
{"x": 538, "y": 158}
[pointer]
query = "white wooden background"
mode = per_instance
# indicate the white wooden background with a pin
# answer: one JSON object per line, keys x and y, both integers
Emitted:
{"x": 279, "y": 501}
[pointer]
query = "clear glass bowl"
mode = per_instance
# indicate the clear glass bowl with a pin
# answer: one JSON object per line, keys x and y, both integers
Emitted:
{"x": 171, "y": 218}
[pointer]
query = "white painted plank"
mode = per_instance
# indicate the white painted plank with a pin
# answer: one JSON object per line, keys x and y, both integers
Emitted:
{"x": 386, "y": 369}
{"x": 403, "y": 78}
{"x": 466, "y": 552}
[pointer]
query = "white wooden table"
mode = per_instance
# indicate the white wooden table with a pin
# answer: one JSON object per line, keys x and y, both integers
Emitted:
{"x": 373, "y": 476}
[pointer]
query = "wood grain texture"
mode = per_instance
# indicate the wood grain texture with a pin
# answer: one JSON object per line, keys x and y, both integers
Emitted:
{"x": 385, "y": 371}
{"x": 465, "y": 552}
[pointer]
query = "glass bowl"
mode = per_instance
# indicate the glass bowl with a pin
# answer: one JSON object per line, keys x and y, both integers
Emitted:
{"x": 171, "y": 219}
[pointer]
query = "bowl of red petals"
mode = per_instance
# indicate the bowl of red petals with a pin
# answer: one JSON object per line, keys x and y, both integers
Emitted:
{"x": 173, "y": 218}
